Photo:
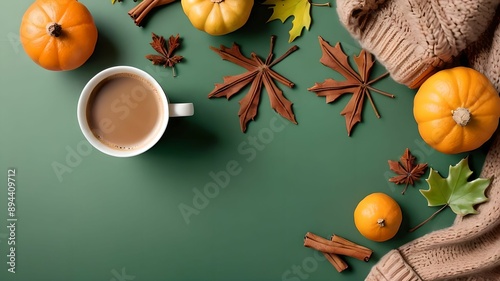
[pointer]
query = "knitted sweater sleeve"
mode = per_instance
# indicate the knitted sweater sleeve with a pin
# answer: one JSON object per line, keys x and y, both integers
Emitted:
{"x": 415, "y": 38}
{"x": 468, "y": 250}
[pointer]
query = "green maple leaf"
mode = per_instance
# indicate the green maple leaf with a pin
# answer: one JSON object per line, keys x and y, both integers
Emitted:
{"x": 299, "y": 9}
{"x": 455, "y": 190}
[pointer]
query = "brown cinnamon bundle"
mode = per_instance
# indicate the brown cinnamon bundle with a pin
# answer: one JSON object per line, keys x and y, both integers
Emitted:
{"x": 139, "y": 12}
{"x": 336, "y": 246}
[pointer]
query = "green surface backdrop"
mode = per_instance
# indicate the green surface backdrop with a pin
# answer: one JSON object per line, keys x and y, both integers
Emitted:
{"x": 83, "y": 215}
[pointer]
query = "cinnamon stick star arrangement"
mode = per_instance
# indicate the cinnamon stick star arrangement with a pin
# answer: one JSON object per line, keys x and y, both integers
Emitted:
{"x": 335, "y": 247}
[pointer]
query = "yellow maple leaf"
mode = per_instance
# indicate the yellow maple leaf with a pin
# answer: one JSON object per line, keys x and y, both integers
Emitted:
{"x": 299, "y": 9}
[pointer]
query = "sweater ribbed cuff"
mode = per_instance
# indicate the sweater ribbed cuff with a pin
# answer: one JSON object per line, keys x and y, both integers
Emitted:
{"x": 415, "y": 38}
{"x": 392, "y": 267}
{"x": 380, "y": 28}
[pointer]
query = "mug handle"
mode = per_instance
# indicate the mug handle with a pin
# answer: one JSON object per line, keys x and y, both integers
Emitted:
{"x": 180, "y": 109}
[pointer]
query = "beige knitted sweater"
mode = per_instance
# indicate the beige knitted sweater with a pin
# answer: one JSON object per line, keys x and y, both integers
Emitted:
{"x": 414, "y": 39}
{"x": 468, "y": 250}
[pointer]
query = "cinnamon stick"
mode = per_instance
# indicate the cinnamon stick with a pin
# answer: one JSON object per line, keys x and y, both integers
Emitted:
{"x": 337, "y": 262}
{"x": 141, "y": 10}
{"x": 339, "y": 246}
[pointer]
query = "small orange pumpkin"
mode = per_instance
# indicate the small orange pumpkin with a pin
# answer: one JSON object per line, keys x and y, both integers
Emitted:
{"x": 378, "y": 217}
{"x": 457, "y": 110}
{"x": 58, "y": 34}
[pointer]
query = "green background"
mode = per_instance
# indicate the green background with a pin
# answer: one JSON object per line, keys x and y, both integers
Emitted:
{"x": 106, "y": 218}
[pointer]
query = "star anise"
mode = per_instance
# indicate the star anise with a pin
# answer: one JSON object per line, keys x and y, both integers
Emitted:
{"x": 407, "y": 171}
{"x": 165, "y": 57}
{"x": 259, "y": 73}
{"x": 356, "y": 83}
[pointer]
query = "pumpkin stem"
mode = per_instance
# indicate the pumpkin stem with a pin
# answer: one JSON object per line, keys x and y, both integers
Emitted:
{"x": 461, "y": 115}
{"x": 54, "y": 29}
{"x": 217, "y": 1}
{"x": 381, "y": 222}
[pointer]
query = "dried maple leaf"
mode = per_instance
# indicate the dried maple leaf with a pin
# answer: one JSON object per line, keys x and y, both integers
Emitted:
{"x": 165, "y": 57}
{"x": 356, "y": 83}
{"x": 258, "y": 73}
{"x": 407, "y": 171}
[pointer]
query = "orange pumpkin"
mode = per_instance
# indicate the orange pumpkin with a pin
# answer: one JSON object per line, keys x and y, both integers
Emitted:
{"x": 58, "y": 34}
{"x": 457, "y": 110}
{"x": 378, "y": 217}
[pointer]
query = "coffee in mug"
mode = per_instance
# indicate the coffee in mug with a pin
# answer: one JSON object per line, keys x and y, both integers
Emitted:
{"x": 123, "y": 111}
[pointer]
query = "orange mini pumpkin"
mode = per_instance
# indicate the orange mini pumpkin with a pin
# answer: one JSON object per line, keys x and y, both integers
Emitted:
{"x": 58, "y": 34}
{"x": 457, "y": 110}
{"x": 378, "y": 217}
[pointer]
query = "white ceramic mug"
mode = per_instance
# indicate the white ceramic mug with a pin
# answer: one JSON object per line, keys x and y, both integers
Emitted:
{"x": 126, "y": 110}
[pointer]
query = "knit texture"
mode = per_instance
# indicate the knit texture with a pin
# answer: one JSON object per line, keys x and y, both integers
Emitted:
{"x": 415, "y": 38}
{"x": 468, "y": 250}
{"x": 484, "y": 54}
